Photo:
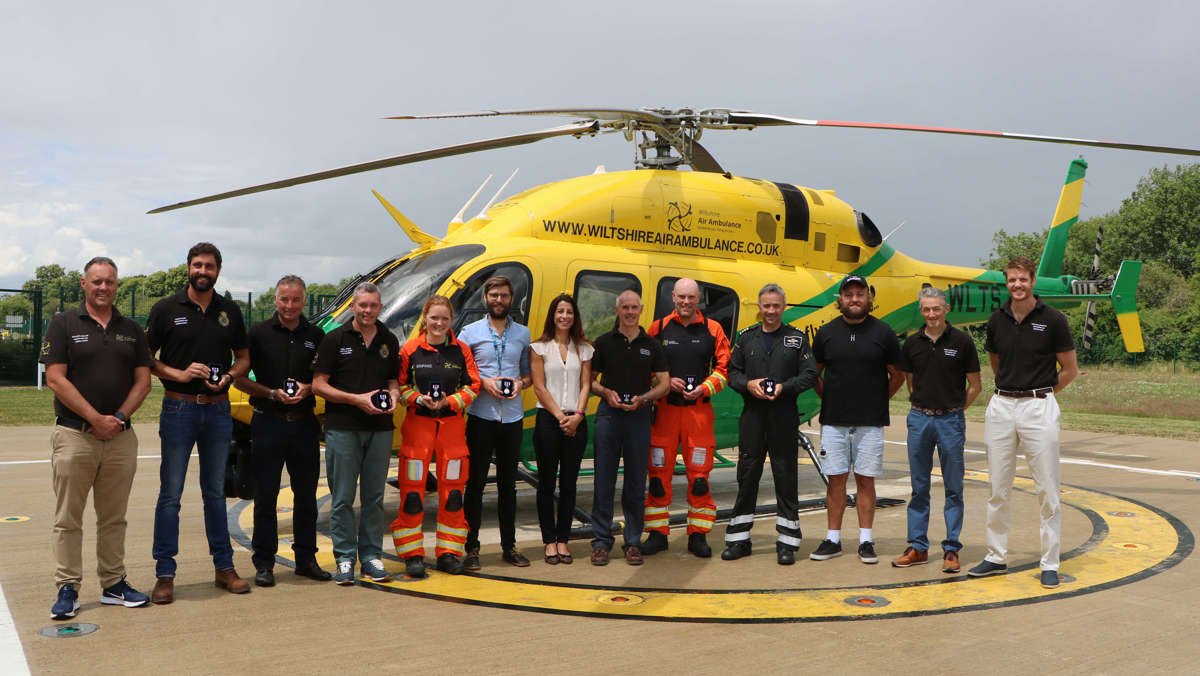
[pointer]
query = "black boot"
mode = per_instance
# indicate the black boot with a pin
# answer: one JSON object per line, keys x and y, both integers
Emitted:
{"x": 414, "y": 566}
{"x": 654, "y": 543}
{"x": 784, "y": 555}
{"x": 449, "y": 563}
{"x": 698, "y": 545}
{"x": 736, "y": 550}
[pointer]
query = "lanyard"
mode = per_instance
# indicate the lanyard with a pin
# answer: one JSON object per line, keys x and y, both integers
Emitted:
{"x": 498, "y": 346}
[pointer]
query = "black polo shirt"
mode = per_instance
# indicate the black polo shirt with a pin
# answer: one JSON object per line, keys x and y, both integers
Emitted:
{"x": 278, "y": 353}
{"x": 181, "y": 334}
{"x": 856, "y": 357}
{"x": 939, "y": 368}
{"x": 1028, "y": 349}
{"x": 100, "y": 360}
{"x": 355, "y": 367}
{"x": 627, "y": 366}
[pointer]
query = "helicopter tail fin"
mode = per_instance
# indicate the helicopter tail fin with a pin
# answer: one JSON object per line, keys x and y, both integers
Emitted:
{"x": 414, "y": 233}
{"x": 1125, "y": 305}
{"x": 1065, "y": 216}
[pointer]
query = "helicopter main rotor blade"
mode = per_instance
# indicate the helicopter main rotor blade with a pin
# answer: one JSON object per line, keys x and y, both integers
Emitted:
{"x": 702, "y": 160}
{"x": 766, "y": 120}
{"x": 589, "y": 113}
{"x": 447, "y": 151}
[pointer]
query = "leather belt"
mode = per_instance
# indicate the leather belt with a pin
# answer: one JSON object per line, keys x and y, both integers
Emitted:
{"x": 288, "y": 416}
{"x": 1040, "y": 393}
{"x": 936, "y": 411}
{"x": 440, "y": 413}
{"x": 197, "y": 398}
{"x": 80, "y": 425}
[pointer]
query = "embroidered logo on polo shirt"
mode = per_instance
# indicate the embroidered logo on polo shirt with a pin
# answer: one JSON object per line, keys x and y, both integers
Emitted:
{"x": 950, "y": 352}
{"x": 791, "y": 341}
{"x": 125, "y": 339}
{"x": 79, "y": 338}
{"x": 345, "y": 350}
{"x": 1038, "y": 327}
{"x": 644, "y": 352}
{"x": 45, "y": 348}
{"x": 223, "y": 319}
{"x": 180, "y": 321}
{"x": 383, "y": 350}
{"x": 309, "y": 344}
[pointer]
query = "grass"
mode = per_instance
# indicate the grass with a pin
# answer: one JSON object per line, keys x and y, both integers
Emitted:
{"x": 28, "y": 406}
{"x": 1154, "y": 400}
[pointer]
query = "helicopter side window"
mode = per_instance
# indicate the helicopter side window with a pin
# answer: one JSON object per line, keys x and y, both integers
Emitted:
{"x": 468, "y": 301}
{"x": 718, "y": 303}
{"x": 795, "y": 221}
{"x": 596, "y": 294}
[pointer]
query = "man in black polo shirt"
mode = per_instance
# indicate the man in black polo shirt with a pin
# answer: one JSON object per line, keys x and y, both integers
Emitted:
{"x": 196, "y": 332}
{"x": 284, "y": 430}
{"x": 942, "y": 371}
{"x": 1026, "y": 341}
{"x": 631, "y": 373}
{"x": 98, "y": 365}
{"x": 356, "y": 363}
{"x": 858, "y": 355}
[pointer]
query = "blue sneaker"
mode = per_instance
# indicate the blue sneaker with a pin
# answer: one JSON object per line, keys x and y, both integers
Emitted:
{"x": 66, "y": 605}
{"x": 374, "y": 569}
{"x": 1049, "y": 579}
{"x": 121, "y": 594}
{"x": 986, "y": 568}
{"x": 345, "y": 573}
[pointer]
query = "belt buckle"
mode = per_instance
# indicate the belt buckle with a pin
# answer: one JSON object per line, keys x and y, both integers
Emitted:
{"x": 202, "y": 399}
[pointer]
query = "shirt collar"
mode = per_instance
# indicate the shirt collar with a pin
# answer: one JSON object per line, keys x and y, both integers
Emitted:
{"x": 945, "y": 332}
{"x": 1038, "y": 305}
{"x": 674, "y": 317}
{"x": 276, "y": 323}
{"x": 83, "y": 311}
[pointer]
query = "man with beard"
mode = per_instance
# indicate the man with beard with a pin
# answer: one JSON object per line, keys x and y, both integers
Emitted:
{"x": 98, "y": 365}
{"x": 857, "y": 354}
{"x": 501, "y": 350}
{"x": 698, "y": 354}
{"x": 194, "y": 333}
{"x": 284, "y": 430}
{"x": 1027, "y": 342}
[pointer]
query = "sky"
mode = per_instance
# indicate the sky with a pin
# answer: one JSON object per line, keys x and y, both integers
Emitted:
{"x": 111, "y": 109}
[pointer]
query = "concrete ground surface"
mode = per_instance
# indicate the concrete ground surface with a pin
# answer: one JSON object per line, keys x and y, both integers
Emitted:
{"x": 1147, "y": 624}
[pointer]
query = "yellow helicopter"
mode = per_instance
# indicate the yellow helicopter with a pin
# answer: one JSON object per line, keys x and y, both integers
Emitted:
{"x": 597, "y": 235}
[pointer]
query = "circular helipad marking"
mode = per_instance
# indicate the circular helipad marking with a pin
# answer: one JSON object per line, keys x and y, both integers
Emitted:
{"x": 68, "y": 630}
{"x": 1122, "y": 514}
{"x": 867, "y": 601}
{"x": 1119, "y": 551}
{"x": 622, "y": 599}
{"x": 13, "y": 519}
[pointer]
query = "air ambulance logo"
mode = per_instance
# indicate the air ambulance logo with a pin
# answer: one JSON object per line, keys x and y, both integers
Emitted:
{"x": 383, "y": 351}
{"x": 45, "y": 348}
{"x": 223, "y": 319}
{"x": 679, "y": 217}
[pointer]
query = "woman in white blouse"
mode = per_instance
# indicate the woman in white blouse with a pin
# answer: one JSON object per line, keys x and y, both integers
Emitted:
{"x": 561, "y": 362}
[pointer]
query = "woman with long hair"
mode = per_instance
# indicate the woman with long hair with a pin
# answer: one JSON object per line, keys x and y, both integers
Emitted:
{"x": 560, "y": 361}
{"x": 438, "y": 380}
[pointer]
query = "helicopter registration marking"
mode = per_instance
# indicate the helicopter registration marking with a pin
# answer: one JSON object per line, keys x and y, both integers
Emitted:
{"x": 1100, "y": 563}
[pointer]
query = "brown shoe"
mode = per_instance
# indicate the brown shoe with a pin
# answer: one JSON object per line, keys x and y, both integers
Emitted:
{"x": 599, "y": 556}
{"x": 633, "y": 555}
{"x": 950, "y": 562}
{"x": 911, "y": 557}
{"x": 515, "y": 557}
{"x": 164, "y": 591}
{"x": 228, "y": 579}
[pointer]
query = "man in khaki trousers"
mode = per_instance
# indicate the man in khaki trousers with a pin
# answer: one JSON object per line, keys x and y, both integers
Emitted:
{"x": 98, "y": 365}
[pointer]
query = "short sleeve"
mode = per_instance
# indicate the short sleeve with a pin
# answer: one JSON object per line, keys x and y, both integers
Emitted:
{"x": 989, "y": 342}
{"x": 891, "y": 344}
{"x": 154, "y": 332}
{"x": 1063, "y": 342}
{"x": 972, "y": 354}
{"x": 818, "y": 346}
{"x": 142, "y": 347}
{"x": 597, "y": 358}
{"x": 585, "y": 351}
{"x": 237, "y": 335}
{"x": 393, "y": 358}
{"x": 327, "y": 353}
{"x": 659, "y": 362}
{"x": 55, "y": 348}
{"x": 905, "y": 362}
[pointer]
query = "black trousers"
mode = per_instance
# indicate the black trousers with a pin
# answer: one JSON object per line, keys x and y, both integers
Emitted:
{"x": 558, "y": 457}
{"x": 763, "y": 432}
{"x": 277, "y": 443}
{"x": 488, "y": 439}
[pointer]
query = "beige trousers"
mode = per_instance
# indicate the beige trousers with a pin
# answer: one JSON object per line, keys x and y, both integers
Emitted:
{"x": 1031, "y": 425}
{"x": 81, "y": 463}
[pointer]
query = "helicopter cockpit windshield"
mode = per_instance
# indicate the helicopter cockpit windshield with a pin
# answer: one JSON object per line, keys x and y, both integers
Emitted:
{"x": 405, "y": 287}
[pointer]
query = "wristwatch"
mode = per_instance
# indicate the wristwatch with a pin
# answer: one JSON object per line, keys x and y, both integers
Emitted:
{"x": 271, "y": 395}
{"x": 121, "y": 416}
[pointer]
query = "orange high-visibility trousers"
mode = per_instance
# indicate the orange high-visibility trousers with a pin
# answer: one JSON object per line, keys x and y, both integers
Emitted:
{"x": 422, "y": 438}
{"x": 689, "y": 427}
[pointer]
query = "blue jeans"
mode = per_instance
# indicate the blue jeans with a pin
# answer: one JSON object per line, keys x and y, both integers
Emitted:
{"x": 208, "y": 427}
{"x": 357, "y": 460}
{"x": 620, "y": 435}
{"x": 948, "y": 433}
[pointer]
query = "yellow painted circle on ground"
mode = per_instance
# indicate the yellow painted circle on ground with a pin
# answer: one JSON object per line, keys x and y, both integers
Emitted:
{"x": 1122, "y": 549}
{"x": 13, "y": 519}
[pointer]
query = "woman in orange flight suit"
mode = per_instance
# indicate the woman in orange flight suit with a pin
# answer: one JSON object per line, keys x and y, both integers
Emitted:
{"x": 438, "y": 380}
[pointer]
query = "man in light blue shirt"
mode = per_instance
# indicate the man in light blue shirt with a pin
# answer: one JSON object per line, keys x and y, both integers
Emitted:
{"x": 501, "y": 350}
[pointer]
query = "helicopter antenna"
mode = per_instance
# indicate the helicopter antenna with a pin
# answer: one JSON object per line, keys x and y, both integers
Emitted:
{"x": 483, "y": 211}
{"x": 458, "y": 218}
{"x": 894, "y": 230}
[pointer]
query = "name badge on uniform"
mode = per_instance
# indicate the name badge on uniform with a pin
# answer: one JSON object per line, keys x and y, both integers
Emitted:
{"x": 79, "y": 338}
{"x": 949, "y": 352}
{"x": 345, "y": 350}
{"x": 792, "y": 342}
{"x": 180, "y": 321}
{"x": 1038, "y": 327}
{"x": 644, "y": 352}
{"x": 310, "y": 345}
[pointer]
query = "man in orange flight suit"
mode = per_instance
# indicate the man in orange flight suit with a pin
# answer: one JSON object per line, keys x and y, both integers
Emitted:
{"x": 698, "y": 355}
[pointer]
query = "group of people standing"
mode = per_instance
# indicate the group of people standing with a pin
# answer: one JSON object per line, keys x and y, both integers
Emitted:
{"x": 463, "y": 394}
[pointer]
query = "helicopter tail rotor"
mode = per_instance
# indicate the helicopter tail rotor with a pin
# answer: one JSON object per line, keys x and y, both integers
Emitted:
{"x": 1089, "y": 322}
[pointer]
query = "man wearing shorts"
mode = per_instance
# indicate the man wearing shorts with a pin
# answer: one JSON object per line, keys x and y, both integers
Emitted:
{"x": 856, "y": 355}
